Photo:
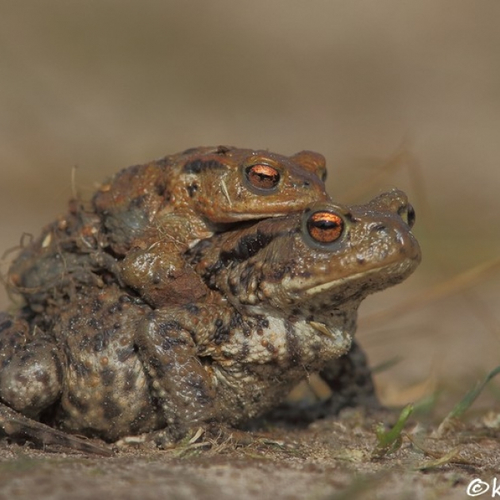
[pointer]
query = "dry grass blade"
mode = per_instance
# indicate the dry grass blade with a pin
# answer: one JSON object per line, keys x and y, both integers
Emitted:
{"x": 200, "y": 431}
{"x": 452, "y": 457}
{"x": 14, "y": 424}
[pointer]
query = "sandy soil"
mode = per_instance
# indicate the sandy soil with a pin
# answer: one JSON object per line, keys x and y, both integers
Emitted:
{"x": 331, "y": 459}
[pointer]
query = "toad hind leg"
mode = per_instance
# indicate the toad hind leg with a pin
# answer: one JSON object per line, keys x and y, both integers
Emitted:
{"x": 30, "y": 382}
{"x": 30, "y": 369}
{"x": 181, "y": 383}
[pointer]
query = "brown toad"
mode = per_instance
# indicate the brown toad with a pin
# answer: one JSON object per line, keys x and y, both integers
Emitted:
{"x": 154, "y": 212}
{"x": 147, "y": 216}
{"x": 283, "y": 302}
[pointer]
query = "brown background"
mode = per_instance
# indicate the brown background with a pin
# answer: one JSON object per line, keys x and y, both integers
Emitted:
{"x": 105, "y": 84}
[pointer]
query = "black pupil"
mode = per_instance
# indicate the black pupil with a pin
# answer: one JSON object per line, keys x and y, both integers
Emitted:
{"x": 325, "y": 224}
{"x": 263, "y": 176}
{"x": 267, "y": 177}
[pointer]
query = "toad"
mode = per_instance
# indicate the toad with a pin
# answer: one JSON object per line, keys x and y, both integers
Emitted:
{"x": 143, "y": 220}
{"x": 153, "y": 213}
{"x": 282, "y": 303}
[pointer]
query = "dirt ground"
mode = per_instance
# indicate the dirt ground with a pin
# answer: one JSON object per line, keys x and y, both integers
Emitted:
{"x": 332, "y": 459}
{"x": 393, "y": 94}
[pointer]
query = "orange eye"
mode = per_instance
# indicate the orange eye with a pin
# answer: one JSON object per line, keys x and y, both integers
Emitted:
{"x": 263, "y": 176}
{"x": 325, "y": 227}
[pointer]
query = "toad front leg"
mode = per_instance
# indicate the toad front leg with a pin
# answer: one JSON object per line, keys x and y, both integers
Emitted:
{"x": 161, "y": 276}
{"x": 155, "y": 266}
{"x": 350, "y": 380}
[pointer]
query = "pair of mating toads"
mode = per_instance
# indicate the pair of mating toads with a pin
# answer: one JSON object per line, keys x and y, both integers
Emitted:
{"x": 196, "y": 289}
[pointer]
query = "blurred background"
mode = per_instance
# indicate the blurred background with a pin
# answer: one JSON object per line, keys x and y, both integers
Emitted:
{"x": 393, "y": 93}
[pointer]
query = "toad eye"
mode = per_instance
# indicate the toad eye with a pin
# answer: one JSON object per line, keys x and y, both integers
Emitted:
{"x": 325, "y": 227}
{"x": 262, "y": 176}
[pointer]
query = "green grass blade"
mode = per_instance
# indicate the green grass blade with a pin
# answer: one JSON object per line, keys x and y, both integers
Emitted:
{"x": 465, "y": 403}
{"x": 390, "y": 441}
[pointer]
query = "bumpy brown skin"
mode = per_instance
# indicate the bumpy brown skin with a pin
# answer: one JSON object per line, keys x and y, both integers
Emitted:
{"x": 281, "y": 304}
{"x": 154, "y": 212}
{"x": 143, "y": 220}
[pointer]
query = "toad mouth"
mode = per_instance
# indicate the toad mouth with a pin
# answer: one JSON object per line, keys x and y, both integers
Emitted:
{"x": 408, "y": 263}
